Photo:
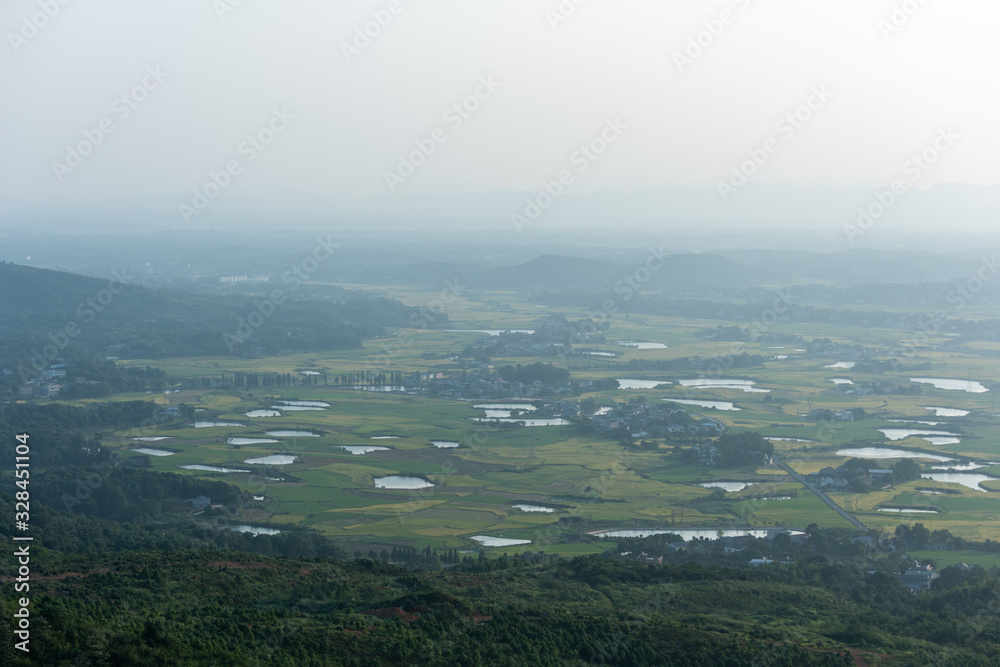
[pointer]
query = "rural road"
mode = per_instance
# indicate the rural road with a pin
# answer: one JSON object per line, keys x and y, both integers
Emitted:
{"x": 822, "y": 496}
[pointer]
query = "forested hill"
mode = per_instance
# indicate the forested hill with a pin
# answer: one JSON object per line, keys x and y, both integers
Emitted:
{"x": 659, "y": 272}
{"x": 213, "y": 607}
{"x": 56, "y": 314}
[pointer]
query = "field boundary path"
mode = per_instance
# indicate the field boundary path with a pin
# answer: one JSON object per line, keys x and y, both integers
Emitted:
{"x": 822, "y": 496}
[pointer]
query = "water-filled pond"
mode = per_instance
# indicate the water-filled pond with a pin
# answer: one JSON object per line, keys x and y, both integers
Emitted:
{"x": 627, "y": 383}
{"x": 533, "y": 508}
{"x": 252, "y": 530}
{"x": 488, "y": 541}
{"x": 402, "y": 482}
{"x": 967, "y": 479}
{"x": 361, "y": 450}
{"x": 903, "y": 433}
{"x": 723, "y": 383}
{"x": 728, "y": 487}
{"x": 204, "y": 468}
{"x": 642, "y": 345}
{"x": 963, "y": 466}
{"x": 556, "y": 421}
{"x": 970, "y": 386}
{"x": 779, "y": 439}
{"x": 504, "y": 406}
{"x": 714, "y": 405}
{"x": 885, "y": 453}
{"x": 272, "y": 460}
{"x": 491, "y": 332}
{"x": 153, "y": 452}
{"x": 693, "y": 533}
{"x": 947, "y": 412}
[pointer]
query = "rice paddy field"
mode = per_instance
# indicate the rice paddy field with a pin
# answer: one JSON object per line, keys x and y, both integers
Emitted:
{"x": 577, "y": 482}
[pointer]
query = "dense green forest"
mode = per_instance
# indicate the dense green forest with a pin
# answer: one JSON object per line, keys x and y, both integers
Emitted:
{"x": 216, "y": 607}
{"x": 121, "y": 576}
{"x": 50, "y": 316}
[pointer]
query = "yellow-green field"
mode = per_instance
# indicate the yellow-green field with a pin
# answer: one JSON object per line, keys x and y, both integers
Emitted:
{"x": 590, "y": 479}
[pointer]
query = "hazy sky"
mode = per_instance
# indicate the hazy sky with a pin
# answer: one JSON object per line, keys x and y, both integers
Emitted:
{"x": 224, "y": 71}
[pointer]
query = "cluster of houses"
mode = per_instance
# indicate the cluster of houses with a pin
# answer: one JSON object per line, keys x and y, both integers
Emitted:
{"x": 552, "y": 335}
{"x": 479, "y": 382}
{"x": 835, "y": 479}
{"x": 825, "y": 415}
{"x": 918, "y": 577}
{"x": 517, "y": 345}
{"x": 48, "y": 384}
{"x": 243, "y": 280}
{"x": 655, "y": 420}
{"x": 726, "y": 545}
{"x": 878, "y": 388}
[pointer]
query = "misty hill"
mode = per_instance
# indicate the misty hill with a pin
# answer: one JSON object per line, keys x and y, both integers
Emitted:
{"x": 694, "y": 270}
{"x": 681, "y": 271}
{"x": 550, "y": 271}
{"x": 55, "y": 314}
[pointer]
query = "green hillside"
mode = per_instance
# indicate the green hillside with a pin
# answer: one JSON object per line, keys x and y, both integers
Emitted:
{"x": 51, "y": 314}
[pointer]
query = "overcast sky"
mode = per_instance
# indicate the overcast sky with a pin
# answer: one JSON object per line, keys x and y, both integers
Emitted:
{"x": 556, "y": 86}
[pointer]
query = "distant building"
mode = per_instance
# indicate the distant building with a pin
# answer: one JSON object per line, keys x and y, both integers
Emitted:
{"x": 199, "y": 502}
{"x": 865, "y": 540}
{"x": 646, "y": 558}
{"x": 918, "y": 577}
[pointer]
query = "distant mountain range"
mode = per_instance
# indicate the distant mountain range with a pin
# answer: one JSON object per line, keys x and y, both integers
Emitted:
{"x": 942, "y": 207}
